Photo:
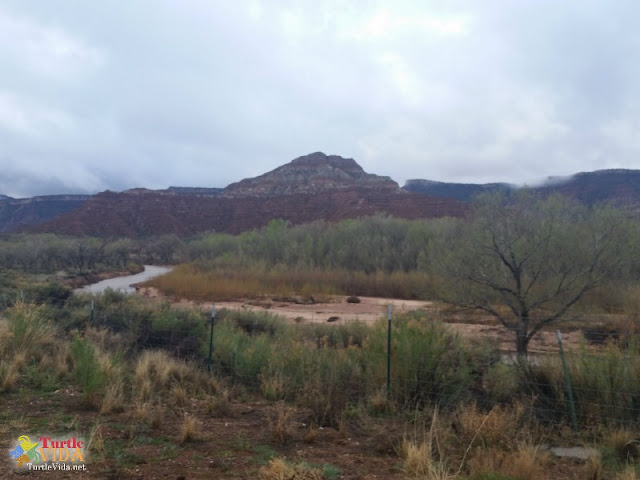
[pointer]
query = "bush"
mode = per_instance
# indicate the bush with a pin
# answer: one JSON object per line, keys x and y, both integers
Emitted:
{"x": 429, "y": 364}
{"x": 51, "y": 293}
{"x": 87, "y": 371}
{"x": 28, "y": 330}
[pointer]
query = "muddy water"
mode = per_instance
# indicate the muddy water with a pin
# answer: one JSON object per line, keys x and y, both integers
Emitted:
{"x": 124, "y": 283}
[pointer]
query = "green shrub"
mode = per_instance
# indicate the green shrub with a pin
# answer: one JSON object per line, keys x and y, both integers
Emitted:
{"x": 429, "y": 365}
{"x": 87, "y": 371}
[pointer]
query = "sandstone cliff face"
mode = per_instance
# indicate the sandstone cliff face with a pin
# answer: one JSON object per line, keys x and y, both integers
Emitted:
{"x": 153, "y": 213}
{"x": 310, "y": 174}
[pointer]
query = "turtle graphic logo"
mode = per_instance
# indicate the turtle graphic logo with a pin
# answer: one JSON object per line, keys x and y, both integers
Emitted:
{"x": 25, "y": 452}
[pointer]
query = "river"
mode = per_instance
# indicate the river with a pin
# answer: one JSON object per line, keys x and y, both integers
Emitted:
{"x": 124, "y": 283}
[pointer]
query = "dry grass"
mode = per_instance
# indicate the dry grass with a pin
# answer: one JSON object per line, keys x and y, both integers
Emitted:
{"x": 179, "y": 396}
{"x": 63, "y": 360}
{"x": 162, "y": 373}
{"x": 189, "y": 429}
{"x": 148, "y": 413}
{"x": 380, "y": 403}
{"x": 280, "y": 424}
{"x": 310, "y": 435}
{"x": 419, "y": 455}
{"x": 9, "y": 375}
{"x": 114, "y": 399}
{"x": 220, "y": 405}
{"x": 624, "y": 444}
{"x": 628, "y": 473}
{"x": 96, "y": 444}
{"x": 278, "y": 469}
{"x": 188, "y": 281}
{"x": 25, "y": 330}
{"x": 105, "y": 339}
{"x": 593, "y": 468}
{"x": 527, "y": 462}
{"x": 500, "y": 427}
{"x": 419, "y": 461}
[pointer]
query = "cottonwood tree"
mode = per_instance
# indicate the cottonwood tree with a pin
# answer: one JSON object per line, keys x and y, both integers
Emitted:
{"x": 528, "y": 261}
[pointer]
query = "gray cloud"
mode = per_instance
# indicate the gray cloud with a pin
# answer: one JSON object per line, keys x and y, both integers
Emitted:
{"x": 204, "y": 93}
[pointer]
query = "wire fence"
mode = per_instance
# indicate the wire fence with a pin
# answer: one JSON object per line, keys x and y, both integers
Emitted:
{"x": 403, "y": 361}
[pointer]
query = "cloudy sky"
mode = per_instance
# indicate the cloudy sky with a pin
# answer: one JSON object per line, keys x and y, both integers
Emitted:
{"x": 112, "y": 94}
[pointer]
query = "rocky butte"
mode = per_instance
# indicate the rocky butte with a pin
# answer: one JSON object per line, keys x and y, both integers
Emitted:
{"x": 312, "y": 187}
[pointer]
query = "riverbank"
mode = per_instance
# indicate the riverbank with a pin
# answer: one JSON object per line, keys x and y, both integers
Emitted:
{"x": 125, "y": 283}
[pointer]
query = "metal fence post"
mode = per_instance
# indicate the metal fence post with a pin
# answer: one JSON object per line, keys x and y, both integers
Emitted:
{"x": 389, "y": 352}
{"x": 213, "y": 316}
{"x": 567, "y": 378}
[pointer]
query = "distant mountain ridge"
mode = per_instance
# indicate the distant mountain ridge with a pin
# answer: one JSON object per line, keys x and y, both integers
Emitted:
{"x": 618, "y": 186}
{"x": 311, "y": 187}
{"x": 20, "y": 212}
{"x": 463, "y": 192}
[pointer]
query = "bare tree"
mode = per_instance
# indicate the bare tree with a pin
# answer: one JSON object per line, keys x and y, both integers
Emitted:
{"x": 528, "y": 261}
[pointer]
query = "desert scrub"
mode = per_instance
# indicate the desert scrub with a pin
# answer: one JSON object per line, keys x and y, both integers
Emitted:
{"x": 429, "y": 364}
{"x": 26, "y": 330}
{"x": 606, "y": 385}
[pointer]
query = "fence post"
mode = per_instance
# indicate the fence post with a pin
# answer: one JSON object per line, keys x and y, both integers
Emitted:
{"x": 567, "y": 378}
{"x": 91, "y": 318}
{"x": 389, "y": 352}
{"x": 213, "y": 316}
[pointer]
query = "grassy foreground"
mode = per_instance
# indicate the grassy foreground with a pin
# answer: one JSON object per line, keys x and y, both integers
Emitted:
{"x": 304, "y": 401}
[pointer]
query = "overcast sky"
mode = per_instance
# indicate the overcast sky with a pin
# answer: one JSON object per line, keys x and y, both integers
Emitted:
{"x": 98, "y": 95}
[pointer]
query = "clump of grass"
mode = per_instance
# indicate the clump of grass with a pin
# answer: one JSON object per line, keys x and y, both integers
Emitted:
{"x": 96, "y": 443}
{"x": 26, "y": 330}
{"x": 310, "y": 435}
{"x": 179, "y": 396}
{"x": 88, "y": 371}
{"x": 379, "y": 403}
{"x": 526, "y": 462}
{"x": 9, "y": 375}
{"x": 189, "y": 429}
{"x": 629, "y": 473}
{"x": 156, "y": 371}
{"x": 422, "y": 456}
{"x": 593, "y": 468}
{"x": 624, "y": 444}
{"x": 219, "y": 406}
{"x": 278, "y": 469}
{"x": 499, "y": 427}
{"x": 114, "y": 399}
{"x": 280, "y": 424}
{"x": 148, "y": 413}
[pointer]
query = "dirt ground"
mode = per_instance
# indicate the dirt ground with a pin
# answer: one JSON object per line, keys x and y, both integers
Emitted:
{"x": 234, "y": 444}
{"x": 370, "y": 309}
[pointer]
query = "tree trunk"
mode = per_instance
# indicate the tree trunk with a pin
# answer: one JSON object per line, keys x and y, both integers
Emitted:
{"x": 522, "y": 343}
